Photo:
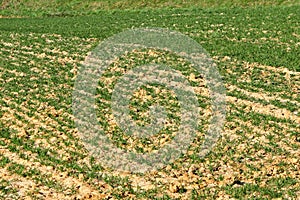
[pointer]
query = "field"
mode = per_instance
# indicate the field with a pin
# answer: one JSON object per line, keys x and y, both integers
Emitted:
{"x": 256, "y": 49}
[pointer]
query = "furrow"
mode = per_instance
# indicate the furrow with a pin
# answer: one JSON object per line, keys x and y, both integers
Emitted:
{"x": 272, "y": 110}
{"x": 26, "y": 187}
{"x": 59, "y": 177}
{"x": 262, "y": 96}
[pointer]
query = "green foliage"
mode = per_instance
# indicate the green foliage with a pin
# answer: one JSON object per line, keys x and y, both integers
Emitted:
{"x": 38, "y": 62}
{"x": 79, "y": 7}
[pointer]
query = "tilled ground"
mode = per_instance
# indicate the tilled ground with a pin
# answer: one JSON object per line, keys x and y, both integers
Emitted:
{"x": 42, "y": 155}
